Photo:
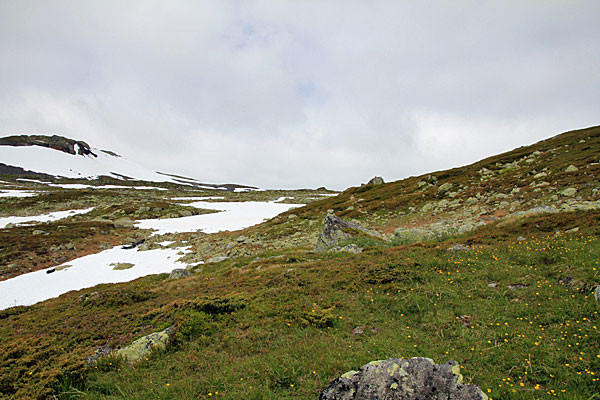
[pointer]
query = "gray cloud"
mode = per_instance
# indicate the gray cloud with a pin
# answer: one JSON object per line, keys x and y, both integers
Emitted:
{"x": 299, "y": 94}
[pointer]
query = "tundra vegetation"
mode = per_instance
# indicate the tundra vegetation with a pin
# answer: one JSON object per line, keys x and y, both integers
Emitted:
{"x": 493, "y": 265}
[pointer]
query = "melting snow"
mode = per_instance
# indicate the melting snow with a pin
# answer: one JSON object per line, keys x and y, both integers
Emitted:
{"x": 54, "y": 216}
{"x": 233, "y": 216}
{"x": 16, "y": 193}
{"x": 58, "y": 163}
{"x": 86, "y": 272}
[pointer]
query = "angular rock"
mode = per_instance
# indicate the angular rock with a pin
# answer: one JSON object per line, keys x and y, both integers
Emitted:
{"x": 445, "y": 188}
{"x": 140, "y": 348}
{"x": 401, "y": 379}
{"x": 178, "y": 273}
{"x": 335, "y": 230}
{"x": 571, "y": 168}
{"x": 568, "y": 192}
{"x": 376, "y": 180}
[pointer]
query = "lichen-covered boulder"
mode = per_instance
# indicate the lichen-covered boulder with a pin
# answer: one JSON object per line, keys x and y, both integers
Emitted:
{"x": 401, "y": 379}
{"x": 178, "y": 273}
{"x": 139, "y": 349}
{"x": 335, "y": 231}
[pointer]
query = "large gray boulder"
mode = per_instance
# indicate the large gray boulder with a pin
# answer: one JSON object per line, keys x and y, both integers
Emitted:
{"x": 335, "y": 231}
{"x": 142, "y": 347}
{"x": 376, "y": 180}
{"x": 401, "y": 379}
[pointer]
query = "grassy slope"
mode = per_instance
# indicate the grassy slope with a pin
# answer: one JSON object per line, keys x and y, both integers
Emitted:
{"x": 289, "y": 329}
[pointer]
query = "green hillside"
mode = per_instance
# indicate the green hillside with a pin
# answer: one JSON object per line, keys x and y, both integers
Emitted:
{"x": 514, "y": 305}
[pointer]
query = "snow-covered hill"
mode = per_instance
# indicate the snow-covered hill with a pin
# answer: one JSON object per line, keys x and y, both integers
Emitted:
{"x": 62, "y": 157}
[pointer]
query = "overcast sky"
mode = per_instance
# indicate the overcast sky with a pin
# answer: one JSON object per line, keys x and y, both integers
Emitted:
{"x": 290, "y": 94}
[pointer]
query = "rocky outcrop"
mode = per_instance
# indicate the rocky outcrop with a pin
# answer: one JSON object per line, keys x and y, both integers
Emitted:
{"x": 139, "y": 349}
{"x": 335, "y": 231}
{"x": 401, "y": 379}
{"x": 54, "y": 142}
{"x": 376, "y": 180}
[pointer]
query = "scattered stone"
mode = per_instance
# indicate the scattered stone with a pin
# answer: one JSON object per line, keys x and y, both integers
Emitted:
{"x": 100, "y": 352}
{"x": 427, "y": 208}
{"x": 37, "y": 232}
{"x": 568, "y": 192}
{"x": 571, "y": 168}
{"x": 445, "y": 188}
{"x": 493, "y": 284}
{"x": 349, "y": 248}
{"x": 121, "y": 266}
{"x": 51, "y": 270}
{"x": 540, "y": 175}
{"x": 521, "y": 239}
{"x": 124, "y": 222}
{"x": 60, "y": 260}
{"x": 401, "y": 379}
{"x": 460, "y": 247}
{"x": 357, "y": 330}
{"x": 517, "y": 286}
{"x": 178, "y": 273}
{"x": 140, "y": 348}
{"x": 133, "y": 245}
{"x": 377, "y": 180}
{"x": 572, "y": 230}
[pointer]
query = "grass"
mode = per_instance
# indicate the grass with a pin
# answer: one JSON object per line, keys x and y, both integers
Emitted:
{"x": 517, "y": 312}
{"x": 284, "y": 331}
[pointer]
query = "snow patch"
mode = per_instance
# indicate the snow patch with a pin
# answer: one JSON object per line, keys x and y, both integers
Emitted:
{"x": 86, "y": 272}
{"x": 233, "y": 216}
{"x": 16, "y": 193}
{"x": 54, "y": 216}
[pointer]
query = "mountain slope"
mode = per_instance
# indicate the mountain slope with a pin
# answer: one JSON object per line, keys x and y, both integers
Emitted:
{"x": 68, "y": 158}
{"x": 271, "y": 319}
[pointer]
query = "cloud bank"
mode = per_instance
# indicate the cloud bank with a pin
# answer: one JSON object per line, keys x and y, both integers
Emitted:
{"x": 299, "y": 94}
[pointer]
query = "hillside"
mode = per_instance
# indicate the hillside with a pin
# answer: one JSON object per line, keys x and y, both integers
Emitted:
{"x": 60, "y": 157}
{"x": 493, "y": 265}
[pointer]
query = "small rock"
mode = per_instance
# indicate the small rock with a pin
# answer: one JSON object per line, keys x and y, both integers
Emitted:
{"x": 37, "y": 232}
{"x": 517, "y": 286}
{"x": 445, "y": 188}
{"x": 597, "y": 293}
{"x": 179, "y": 273}
{"x": 571, "y": 168}
{"x": 121, "y": 266}
{"x": 357, "y": 330}
{"x": 350, "y": 248}
{"x": 568, "y": 192}
{"x": 460, "y": 247}
{"x": 493, "y": 285}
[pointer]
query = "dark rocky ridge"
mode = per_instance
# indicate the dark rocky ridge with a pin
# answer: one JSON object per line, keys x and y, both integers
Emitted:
{"x": 53, "y": 142}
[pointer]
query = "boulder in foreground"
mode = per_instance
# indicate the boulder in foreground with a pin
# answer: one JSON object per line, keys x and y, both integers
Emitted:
{"x": 401, "y": 379}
